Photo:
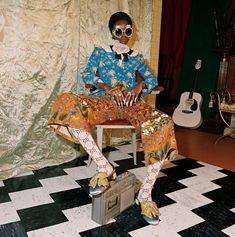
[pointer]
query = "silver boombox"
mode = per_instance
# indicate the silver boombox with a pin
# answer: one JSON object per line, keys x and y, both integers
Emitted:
{"x": 118, "y": 197}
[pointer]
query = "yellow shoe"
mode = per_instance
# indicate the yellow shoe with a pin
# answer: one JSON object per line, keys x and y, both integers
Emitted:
{"x": 149, "y": 212}
{"x": 100, "y": 182}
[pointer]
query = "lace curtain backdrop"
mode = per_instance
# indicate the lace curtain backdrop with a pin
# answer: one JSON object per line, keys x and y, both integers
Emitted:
{"x": 44, "y": 46}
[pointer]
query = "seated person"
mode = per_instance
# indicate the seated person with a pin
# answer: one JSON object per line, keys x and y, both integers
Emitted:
{"x": 117, "y": 97}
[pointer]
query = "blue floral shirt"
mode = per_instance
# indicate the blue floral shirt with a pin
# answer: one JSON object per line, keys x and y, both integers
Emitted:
{"x": 117, "y": 72}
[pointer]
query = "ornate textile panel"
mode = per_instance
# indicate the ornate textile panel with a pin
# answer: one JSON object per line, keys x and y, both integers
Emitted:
{"x": 39, "y": 55}
{"x": 39, "y": 45}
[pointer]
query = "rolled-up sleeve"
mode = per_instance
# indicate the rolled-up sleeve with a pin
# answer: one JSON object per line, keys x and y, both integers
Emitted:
{"x": 89, "y": 74}
{"x": 149, "y": 79}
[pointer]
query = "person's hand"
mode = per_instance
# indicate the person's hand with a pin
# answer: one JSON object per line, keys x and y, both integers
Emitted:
{"x": 132, "y": 95}
{"x": 117, "y": 96}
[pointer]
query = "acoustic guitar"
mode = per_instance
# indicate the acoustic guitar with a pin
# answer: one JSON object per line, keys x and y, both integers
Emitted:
{"x": 188, "y": 112}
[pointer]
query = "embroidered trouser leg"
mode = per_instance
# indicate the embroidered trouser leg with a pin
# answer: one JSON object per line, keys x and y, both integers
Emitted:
{"x": 158, "y": 140}
{"x": 157, "y": 131}
{"x": 71, "y": 117}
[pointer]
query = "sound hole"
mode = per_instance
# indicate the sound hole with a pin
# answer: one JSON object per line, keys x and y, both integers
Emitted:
{"x": 187, "y": 111}
{"x": 194, "y": 105}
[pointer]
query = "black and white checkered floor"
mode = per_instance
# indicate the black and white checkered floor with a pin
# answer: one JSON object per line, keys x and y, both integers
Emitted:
{"x": 194, "y": 198}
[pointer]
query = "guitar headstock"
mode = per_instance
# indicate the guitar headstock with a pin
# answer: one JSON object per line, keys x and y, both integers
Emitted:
{"x": 198, "y": 64}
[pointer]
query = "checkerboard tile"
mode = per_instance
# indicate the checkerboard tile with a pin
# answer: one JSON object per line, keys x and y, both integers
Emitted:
{"x": 8, "y": 213}
{"x": 60, "y": 183}
{"x": 194, "y": 198}
{"x": 59, "y": 230}
{"x": 230, "y": 231}
{"x": 30, "y": 198}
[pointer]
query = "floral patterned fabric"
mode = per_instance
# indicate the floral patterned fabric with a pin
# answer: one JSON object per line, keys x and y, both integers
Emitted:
{"x": 82, "y": 111}
{"x": 114, "y": 72}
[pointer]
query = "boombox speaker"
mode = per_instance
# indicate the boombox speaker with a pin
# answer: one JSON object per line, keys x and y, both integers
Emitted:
{"x": 118, "y": 197}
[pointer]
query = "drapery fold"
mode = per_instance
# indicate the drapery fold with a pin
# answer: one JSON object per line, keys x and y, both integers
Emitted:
{"x": 175, "y": 21}
{"x": 44, "y": 46}
{"x": 39, "y": 54}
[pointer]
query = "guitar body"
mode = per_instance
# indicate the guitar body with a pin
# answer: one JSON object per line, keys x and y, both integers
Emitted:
{"x": 188, "y": 113}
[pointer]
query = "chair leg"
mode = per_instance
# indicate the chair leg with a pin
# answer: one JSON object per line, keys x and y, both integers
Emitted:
{"x": 89, "y": 161}
{"x": 134, "y": 145}
{"x": 99, "y": 137}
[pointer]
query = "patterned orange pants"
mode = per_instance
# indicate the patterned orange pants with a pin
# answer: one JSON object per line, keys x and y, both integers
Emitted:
{"x": 82, "y": 111}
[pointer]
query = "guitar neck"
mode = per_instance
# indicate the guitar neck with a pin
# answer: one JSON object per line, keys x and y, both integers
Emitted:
{"x": 194, "y": 84}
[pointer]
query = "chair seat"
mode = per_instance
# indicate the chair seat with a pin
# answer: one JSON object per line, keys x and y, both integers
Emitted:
{"x": 116, "y": 122}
